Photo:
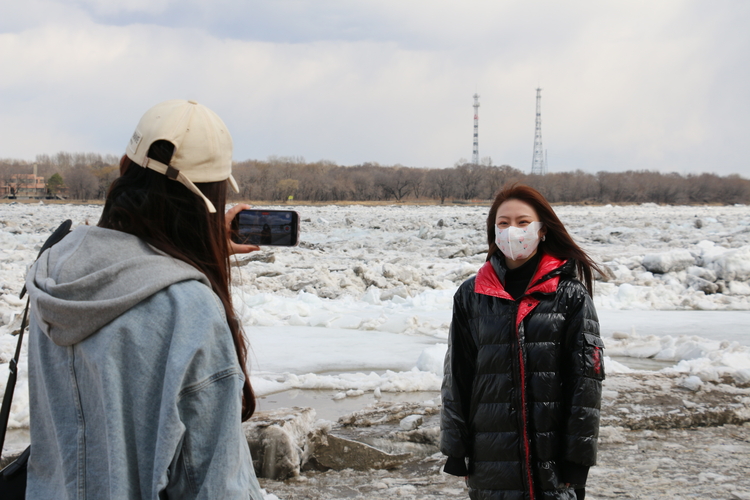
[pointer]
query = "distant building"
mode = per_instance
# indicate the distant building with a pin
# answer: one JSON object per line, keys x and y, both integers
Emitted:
{"x": 23, "y": 186}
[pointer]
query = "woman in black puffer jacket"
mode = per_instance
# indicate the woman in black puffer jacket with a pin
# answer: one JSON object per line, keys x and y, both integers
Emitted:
{"x": 524, "y": 368}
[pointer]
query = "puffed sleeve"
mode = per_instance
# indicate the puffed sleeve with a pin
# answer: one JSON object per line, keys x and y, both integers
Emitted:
{"x": 583, "y": 378}
{"x": 458, "y": 376}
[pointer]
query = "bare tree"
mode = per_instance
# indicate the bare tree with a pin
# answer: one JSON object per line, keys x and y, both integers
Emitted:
{"x": 7, "y": 174}
{"x": 395, "y": 182}
{"x": 88, "y": 175}
{"x": 418, "y": 183}
{"x": 468, "y": 180}
{"x": 82, "y": 184}
{"x": 104, "y": 177}
{"x": 63, "y": 159}
{"x": 363, "y": 184}
{"x": 441, "y": 183}
{"x": 287, "y": 188}
{"x": 497, "y": 177}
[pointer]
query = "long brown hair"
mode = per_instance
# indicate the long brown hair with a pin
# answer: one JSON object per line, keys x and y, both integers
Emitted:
{"x": 168, "y": 216}
{"x": 557, "y": 241}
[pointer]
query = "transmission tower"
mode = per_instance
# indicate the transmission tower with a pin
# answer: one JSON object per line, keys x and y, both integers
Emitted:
{"x": 539, "y": 161}
{"x": 475, "y": 152}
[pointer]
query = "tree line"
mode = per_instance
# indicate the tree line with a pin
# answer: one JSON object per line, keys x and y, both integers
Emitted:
{"x": 86, "y": 176}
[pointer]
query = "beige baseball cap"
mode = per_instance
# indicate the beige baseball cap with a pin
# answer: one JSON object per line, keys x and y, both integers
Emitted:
{"x": 202, "y": 144}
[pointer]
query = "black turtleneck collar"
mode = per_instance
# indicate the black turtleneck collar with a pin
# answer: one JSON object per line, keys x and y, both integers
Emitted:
{"x": 515, "y": 281}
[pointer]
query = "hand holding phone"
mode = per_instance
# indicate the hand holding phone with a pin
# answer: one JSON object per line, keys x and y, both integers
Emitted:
{"x": 236, "y": 248}
{"x": 266, "y": 227}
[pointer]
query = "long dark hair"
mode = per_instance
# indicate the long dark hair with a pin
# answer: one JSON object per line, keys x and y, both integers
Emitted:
{"x": 557, "y": 241}
{"x": 168, "y": 216}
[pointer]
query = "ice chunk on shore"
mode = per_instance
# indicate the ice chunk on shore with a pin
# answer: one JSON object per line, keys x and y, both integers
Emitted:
{"x": 692, "y": 383}
{"x": 732, "y": 264}
{"x": 432, "y": 358}
{"x": 676, "y": 260}
{"x": 411, "y": 422}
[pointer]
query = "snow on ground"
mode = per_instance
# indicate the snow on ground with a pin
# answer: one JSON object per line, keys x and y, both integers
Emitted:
{"x": 364, "y": 303}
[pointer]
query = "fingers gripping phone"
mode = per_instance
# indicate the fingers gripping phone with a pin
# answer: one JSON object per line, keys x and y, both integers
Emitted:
{"x": 266, "y": 227}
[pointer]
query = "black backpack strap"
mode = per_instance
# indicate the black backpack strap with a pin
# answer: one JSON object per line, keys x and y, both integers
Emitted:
{"x": 59, "y": 233}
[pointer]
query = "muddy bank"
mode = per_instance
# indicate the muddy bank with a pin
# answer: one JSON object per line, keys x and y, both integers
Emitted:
{"x": 709, "y": 462}
{"x": 662, "y": 436}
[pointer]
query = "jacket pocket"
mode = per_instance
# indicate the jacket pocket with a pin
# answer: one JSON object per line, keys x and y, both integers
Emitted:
{"x": 593, "y": 356}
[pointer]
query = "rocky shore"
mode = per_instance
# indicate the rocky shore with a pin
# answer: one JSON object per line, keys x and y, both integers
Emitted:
{"x": 661, "y": 437}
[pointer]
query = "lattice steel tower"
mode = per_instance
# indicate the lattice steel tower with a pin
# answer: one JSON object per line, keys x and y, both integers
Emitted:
{"x": 538, "y": 162}
{"x": 475, "y": 151}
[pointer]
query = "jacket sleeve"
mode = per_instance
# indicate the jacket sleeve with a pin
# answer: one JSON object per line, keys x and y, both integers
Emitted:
{"x": 213, "y": 460}
{"x": 458, "y": 377}
{"x": 212, "y": 457}
{"x": 583, "y": 375}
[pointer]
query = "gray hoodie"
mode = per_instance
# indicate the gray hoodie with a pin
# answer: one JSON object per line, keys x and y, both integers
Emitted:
{"x": 134, "y": 384}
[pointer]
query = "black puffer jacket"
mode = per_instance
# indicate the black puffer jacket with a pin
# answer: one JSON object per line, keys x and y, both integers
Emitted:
{"x": 522, "y": 386}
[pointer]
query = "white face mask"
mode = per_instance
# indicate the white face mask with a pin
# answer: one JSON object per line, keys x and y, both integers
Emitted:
{"x": 518, "y": 243}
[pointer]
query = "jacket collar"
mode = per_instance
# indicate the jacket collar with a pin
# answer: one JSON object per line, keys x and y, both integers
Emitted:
{"x": 489, "y": 280}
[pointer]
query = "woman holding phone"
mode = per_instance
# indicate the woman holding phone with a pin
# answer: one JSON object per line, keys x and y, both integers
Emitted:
{"x": 524, "y": 368}
{"x": 137, "y": 362}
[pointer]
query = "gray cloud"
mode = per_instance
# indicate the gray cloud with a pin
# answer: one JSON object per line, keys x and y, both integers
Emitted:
{"x": 627, "y": 85}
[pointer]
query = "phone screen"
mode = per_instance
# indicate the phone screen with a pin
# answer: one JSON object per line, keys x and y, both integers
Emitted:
{"x": 266, "y": 227}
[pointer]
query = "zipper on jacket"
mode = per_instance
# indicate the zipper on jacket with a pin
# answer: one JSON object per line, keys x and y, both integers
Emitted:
{"x": 524, "y": 412}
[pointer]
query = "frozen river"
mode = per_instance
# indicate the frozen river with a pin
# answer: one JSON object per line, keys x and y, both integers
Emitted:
{"x": 363, "y": 305}
{"x": 714, "y": 325}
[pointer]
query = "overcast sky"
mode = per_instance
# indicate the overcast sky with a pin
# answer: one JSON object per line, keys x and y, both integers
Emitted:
{"x": 659, "y": 85}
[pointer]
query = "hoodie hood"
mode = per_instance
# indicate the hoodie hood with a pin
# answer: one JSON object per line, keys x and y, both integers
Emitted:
{"x": 93, "y": 276}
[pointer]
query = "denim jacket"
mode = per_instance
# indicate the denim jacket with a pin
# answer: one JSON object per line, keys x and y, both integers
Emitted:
{"x": 134, "y": 383}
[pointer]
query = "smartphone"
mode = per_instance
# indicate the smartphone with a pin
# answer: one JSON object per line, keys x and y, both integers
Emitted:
{"x": 266, "y": 227}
